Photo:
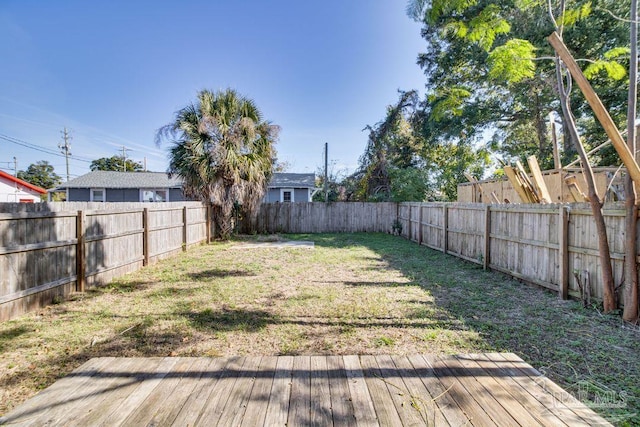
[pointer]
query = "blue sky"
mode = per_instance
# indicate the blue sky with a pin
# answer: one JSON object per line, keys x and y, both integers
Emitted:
{"x": 115, "y": 71}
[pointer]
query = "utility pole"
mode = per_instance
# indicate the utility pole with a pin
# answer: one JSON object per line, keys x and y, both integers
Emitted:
{"x": 15, "y": 166}
{"x": 66, "y": 148}
{"x": 326, "y": 172}
{"x": 124, "y": 158}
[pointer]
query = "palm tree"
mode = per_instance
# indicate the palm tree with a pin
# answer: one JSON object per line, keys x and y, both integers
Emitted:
{"x": 223, "y": 151}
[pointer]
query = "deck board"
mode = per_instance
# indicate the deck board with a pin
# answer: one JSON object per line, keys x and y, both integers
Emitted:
{"x": 473, "y": 389}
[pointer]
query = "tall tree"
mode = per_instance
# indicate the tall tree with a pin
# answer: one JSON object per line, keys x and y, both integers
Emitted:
{"x": 630, "y": 292}
{"x": 41, "y": 174}
{"x": 115, "y": 163}
{"x": 223, "y": 150}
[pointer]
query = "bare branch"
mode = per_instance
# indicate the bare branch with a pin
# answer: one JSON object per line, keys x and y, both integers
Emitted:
{"x": 619, "y": 18}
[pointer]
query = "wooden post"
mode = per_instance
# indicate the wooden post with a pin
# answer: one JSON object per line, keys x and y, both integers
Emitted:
{"x": 596, "y": 105}
{"x": 563, "y": 253}
{"x": 409, "y": 225}
{"x": 208, "y": 220}
{"x": 487, "y": 237}
{"x": 420, "y": 225}
{"x": 184, "y": 228}
{"x": 145, "y": 236}
{"x": 80, "y": 254}
{"x": 445, "y": 226}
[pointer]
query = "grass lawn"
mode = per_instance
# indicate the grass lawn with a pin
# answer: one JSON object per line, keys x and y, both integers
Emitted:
{"x": 351, "y": 294}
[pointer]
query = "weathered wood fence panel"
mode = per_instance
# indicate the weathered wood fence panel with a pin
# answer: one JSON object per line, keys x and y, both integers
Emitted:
{"x": 48, "y": 250}
{"x": 315, "y": 217}
{"x": 524, "y": 241}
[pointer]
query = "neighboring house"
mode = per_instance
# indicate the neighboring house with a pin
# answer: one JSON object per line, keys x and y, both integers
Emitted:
{"x": 290, "y": 187}
{"x": 111, "y": 186}
{"x": 14, "y": 190}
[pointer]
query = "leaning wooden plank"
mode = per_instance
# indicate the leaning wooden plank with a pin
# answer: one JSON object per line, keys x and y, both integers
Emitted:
{"x": 278, "y": 406}
{"x": 300, "y": 392}
{"x": 382, "y": 399}
{"x": 259, "y": 400}
{"x": 320, "y": 394}
{"x": 494, "y": 198}
{"x": 499, "y": 390}
{"x": 341, "y": 405}
{"x": 238, "y": 400}
{"x": 600, "y": 111}
{"x": 544, "y": 384}
{"x": 516, "y": 184}
{"x": 68, "y": 389}
{"x": 538, "y": 180}
{"x": 422, "y": 400}
{"x": 363, "y": 409}
{"x": 400, "y": 395}
{"x": 523, "y": 175}
{"x": 575, "y": 191}
{"x": 440, "y": 394}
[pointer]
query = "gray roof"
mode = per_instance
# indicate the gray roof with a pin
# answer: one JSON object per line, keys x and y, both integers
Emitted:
{"x": 293, "y": 180}
{"x": 111, "y": 179}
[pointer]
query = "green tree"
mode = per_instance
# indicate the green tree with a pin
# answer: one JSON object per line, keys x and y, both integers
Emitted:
{"x": 490, "y": 71}
{"x": 115, "y": 163}
{"x": 41, "y": 174}
{"x": 223, "y": 150}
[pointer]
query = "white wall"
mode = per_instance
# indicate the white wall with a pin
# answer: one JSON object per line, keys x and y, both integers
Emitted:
{"x": 9, "y": 193}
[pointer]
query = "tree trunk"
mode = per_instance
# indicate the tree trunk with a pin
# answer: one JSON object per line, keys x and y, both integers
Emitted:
{"x": 608, "y": 300}
{"x": 630, "y": 292}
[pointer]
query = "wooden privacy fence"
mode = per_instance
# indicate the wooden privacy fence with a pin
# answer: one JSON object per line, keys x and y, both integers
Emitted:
{"x": 316, "y": 217}
{"x": 53, "y": 251}
{"x": 541, "y": 244}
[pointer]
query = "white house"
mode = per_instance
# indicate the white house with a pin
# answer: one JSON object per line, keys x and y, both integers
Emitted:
{"x": 15, "y": 190}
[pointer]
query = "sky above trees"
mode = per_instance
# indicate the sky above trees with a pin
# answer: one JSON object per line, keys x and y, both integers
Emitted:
{"x": 114, "y": 72}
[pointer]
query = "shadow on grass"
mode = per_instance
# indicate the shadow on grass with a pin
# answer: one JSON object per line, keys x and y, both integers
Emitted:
{"x": 229, "y": 319}
{"x": 218, "y": 273}
{"x": 571, "y": 344}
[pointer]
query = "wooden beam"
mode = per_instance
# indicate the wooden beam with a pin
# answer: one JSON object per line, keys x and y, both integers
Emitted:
{"x": 600, "y": 111}
{"x": 538, "y": 180}
{"x": 517, "y": 184}
{"x": 445, "y": 227}
{"x": 494, "y": 198}
{"x": 575, "y": 191}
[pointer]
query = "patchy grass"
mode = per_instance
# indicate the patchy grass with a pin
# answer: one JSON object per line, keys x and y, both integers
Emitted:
{"x": 352, "y": 294}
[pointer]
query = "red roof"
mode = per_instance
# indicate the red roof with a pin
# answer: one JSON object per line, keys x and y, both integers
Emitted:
{"x": 22, "y": 183}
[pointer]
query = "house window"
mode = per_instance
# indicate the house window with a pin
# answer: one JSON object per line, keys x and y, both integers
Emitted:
{"x": 286, "y": 195}
{"x": 97, "y": 195}
{"x": 154, "y": 195}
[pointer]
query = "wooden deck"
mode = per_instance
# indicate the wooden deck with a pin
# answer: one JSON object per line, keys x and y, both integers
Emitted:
{"x": 479, "y": 389}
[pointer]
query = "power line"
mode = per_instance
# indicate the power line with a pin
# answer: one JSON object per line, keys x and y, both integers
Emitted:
{"x": 40, "y": 148}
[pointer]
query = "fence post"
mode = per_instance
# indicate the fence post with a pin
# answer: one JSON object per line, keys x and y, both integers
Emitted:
{"x": 208, "y": 221}
{"x": 420, "y": 225}
{"x": 184, "y": 228}
{"x": 80, "y": 255}
{"x": 487, "y": 236}
{"x": 409, "y": 224}
{"x": 145, "y": 236}
{"x": 563, "y": 252}
{"x": 445, "y": 226}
